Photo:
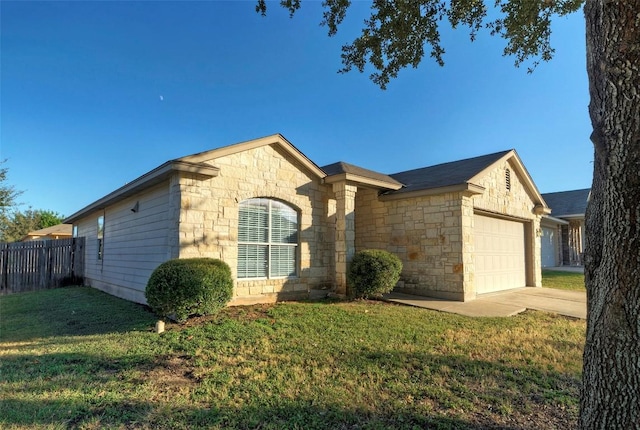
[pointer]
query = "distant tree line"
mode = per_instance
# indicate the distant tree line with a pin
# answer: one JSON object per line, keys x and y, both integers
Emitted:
{"x": 15, "y": 223}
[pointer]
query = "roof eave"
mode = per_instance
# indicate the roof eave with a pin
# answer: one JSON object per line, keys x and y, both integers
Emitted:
{"x": 457, "y": 188}
{"x": 528, "y": 181}
{"x": 571, "y": 216}
{"x": 363, "y": 181}
{"x": 149, "y": 179}
{"x": 549, "y": 218}
{"x": 276, "y": 139}
{"x": 541, "y": 209}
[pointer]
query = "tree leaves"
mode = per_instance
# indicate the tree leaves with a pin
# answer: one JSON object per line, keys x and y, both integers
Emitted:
{"x": 8, "y": 193}
{"x": 397, "y": 32}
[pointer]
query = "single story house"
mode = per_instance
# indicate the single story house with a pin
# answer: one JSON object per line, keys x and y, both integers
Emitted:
{"x": 286, "y": 226}
{"x": 59, "y": 231}
{"x": 563, "y": 230}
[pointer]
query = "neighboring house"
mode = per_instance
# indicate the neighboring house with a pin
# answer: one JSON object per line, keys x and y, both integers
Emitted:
{"x": 60, "y": 231}
{"x": 563, "y": 230}
{"x": 286, "y": 226}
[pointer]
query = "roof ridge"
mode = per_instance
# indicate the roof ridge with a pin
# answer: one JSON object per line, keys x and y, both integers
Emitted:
{"x": 500, "y": 153}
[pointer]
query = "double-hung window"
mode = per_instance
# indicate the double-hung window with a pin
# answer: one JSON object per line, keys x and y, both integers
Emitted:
{"x": 267, "y": 239}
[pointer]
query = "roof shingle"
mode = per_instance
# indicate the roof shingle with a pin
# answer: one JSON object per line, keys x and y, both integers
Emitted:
{"x": 446, "y": 174}
{"x": 565, "y": 203}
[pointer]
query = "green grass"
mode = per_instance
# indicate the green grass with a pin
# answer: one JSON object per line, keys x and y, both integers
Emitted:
{"x": 563, "y": 280}
{"x": 77, "y": 358}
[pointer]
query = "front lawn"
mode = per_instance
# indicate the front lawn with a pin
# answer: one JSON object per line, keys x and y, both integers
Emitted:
{"x": 563, "y": 280}
{"x": 77, "y": 358}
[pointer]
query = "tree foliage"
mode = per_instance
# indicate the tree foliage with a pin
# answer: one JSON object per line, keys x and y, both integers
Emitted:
{"x": 15, "y": 224}
{"x": 397, "y": 32}
{"x": 8, "y": 193}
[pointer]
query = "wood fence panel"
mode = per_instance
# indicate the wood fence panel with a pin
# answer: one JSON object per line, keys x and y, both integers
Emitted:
{"x": 41, "y": 264}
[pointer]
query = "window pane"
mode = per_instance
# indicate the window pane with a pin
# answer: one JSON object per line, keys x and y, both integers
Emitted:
{"x": 283, "y": 260}
{"x": 284, "y": 224}
{"x": 267, "y": 239}
{"x": 252, "y": 261}
{"x": 253, "y": 223}
{"x": 100, "y": 227}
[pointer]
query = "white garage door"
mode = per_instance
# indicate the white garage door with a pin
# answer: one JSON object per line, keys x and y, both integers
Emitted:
{"x": 499, "y": 254}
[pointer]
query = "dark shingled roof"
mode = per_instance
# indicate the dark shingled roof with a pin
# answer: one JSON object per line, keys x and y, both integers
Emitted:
{"x": 567, "y": 202}
{"x": 447, "y": 174}
{"x": 342, "y": 167}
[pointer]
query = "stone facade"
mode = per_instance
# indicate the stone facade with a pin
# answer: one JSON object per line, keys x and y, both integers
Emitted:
{"x": 425, "y": 232}
{"x": 190, "y": 207}
{"x": 433, "y": 234}
{"x": 208, "y": 217}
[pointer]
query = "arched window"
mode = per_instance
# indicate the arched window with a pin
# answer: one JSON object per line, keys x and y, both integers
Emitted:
{"x": 267, "y": 239}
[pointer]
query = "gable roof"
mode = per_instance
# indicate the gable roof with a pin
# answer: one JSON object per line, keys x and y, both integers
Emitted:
{"x": 447, "y": 177}
{"x": 194, "y": 163}
{"x": 568, "y": 203}
{"x": 55, "y": 230}
{"x": 446, "y": 174}
{"x": 149, "y": 179}
{"x": 461, "y": 175}
{"x": 277, "y": 140}
{"x": 344, "y": 171}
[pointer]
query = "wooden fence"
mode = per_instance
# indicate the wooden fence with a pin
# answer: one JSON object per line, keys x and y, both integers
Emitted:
{"x": 41, "y": 264}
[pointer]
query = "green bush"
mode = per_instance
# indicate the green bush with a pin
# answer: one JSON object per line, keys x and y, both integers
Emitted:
{"x": 373, "y": 272}
{"x": 191, "y": 286}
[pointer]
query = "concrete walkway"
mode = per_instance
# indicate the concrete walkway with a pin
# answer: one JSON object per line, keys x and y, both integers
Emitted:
{"x": 505, "y": 304}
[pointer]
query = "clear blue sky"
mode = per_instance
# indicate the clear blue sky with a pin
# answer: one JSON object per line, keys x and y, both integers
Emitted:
{"x": 94, "y": 94}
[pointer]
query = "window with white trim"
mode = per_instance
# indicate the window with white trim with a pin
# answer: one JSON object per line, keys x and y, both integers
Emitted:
{"x": 267, "y": 239}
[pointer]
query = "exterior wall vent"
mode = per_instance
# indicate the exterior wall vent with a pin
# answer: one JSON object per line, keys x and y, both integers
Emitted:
{"x": 507, "y": 179}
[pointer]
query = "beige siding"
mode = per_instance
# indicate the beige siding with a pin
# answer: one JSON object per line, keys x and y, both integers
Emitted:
{"x": 135, "y": 243}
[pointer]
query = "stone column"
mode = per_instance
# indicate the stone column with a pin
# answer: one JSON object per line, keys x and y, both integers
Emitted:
{"x": 575, "y": 243}
{"x": 536, "y": 256}
{"x": 467, "y": 268}
{"x": 345, "y": 235}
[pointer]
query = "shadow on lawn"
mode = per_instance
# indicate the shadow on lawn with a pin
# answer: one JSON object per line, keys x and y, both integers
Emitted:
{"x": 132, "y": 414}
{"x": 71, "y": 311}
{"x": 81, "y": 390}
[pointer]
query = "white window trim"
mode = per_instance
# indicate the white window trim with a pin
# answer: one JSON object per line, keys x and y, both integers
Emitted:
{"x": 270, "y": 244}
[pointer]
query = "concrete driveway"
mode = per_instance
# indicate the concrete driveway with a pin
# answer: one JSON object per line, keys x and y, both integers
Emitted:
{"x": 507, "y": 303}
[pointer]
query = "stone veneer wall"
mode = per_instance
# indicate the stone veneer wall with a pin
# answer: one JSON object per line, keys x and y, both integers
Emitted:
{"x": 425, "y": 232}
{"x": 208, "y": 214}
{"x": 433, "y": 235}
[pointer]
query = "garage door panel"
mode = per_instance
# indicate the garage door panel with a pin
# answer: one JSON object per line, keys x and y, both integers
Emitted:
{"x": 499, "y": 254}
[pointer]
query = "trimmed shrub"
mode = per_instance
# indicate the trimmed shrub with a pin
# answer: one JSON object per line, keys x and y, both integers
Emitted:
{"x": 191, "y": 286}
{"x": 373, "y": 272}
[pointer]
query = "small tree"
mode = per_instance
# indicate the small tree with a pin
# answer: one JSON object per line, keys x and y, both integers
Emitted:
{"x": 8, "y": 193}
